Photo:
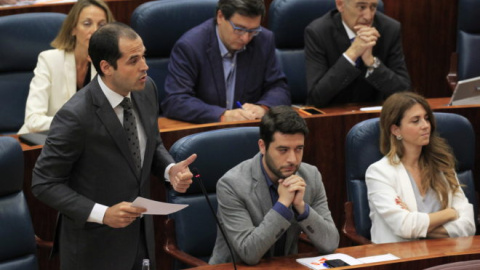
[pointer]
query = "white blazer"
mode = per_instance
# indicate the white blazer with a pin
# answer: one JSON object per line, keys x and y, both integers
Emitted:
{"x": 54, "y": 83}
{"x": 391, "y": 223}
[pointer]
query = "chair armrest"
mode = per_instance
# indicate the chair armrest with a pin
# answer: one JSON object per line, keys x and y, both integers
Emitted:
{"x": 42, "y": 243}
{"x": 172, "y": 249}
{"x": 452, "y": 73}
{"x": 348, "y": 228}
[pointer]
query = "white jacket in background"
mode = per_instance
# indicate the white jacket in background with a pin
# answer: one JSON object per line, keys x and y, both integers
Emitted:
{"x": 391, "y": 223}
{"x": 54, "y": 83}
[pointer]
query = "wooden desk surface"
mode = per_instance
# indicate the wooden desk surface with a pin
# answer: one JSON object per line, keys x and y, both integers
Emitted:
{"x": 413, "y": 255}
{"x": 172, "y": 130}
{"x": 325, "y": 146}
{"x": 171, "y": 125}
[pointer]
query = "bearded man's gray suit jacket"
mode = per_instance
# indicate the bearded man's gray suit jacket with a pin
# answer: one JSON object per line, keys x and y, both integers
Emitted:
{"x": 253, "y": 227}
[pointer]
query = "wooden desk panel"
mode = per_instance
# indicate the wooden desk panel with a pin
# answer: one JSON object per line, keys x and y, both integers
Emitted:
{"x": 413, "y": 255}
{"x": 324, "y": 148}
{"x": 424, "y": 24}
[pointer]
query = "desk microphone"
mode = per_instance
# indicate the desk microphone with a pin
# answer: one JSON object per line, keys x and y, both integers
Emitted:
{"x": 196, "y": 175}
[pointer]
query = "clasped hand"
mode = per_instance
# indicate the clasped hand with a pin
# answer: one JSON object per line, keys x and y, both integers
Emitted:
{"x": 363, "y": 44}
{"x": 291, "y": 191}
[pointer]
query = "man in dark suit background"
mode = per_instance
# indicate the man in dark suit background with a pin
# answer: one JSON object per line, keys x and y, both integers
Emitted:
{"x": 222, "y": 61}
{"x": 354, "y": 54}
{"x": 89, "y": 173}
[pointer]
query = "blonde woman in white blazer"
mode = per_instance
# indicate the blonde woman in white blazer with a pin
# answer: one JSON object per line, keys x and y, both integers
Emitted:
{"x": 61, "y": 72}
{"x": 413, "y": 191}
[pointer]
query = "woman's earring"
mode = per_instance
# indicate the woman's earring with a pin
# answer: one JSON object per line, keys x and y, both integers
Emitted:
{"x": 399, "y": 137}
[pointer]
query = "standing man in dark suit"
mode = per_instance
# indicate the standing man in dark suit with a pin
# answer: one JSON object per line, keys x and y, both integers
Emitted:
{"x": 222, "y": 61}
{"x": 102, "y": 146}
{"x": 354, "y": 54}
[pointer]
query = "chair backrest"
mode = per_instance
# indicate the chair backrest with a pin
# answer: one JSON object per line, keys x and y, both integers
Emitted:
{"x": 288, "y": 19}
{"x": 218, "y": 151}
{"x": 23, "y": 37}
{"x": 362, "y": 149}
{"x": 17, "y": 244}
{"x": 468, "y": 39}
{"x": 161, "y": 24}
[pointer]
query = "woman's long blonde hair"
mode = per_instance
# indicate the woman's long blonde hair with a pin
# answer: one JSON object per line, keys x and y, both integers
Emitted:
{"x": 64, "y": 39}
{"x": 435, "y": 157}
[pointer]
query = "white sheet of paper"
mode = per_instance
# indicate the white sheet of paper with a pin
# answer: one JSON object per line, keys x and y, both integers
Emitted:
{"x": 370, "y": 109}
{"x": 317, "y": 262}
{"x": 157, "y": 208}
{"x": 379, "y": 258}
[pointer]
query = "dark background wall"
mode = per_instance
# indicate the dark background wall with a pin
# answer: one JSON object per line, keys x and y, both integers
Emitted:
{"x": 429, "y": 29}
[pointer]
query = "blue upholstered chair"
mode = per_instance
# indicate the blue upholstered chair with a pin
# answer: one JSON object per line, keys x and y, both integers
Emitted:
{"x": 288, "y": 20}
{"x": 17, "y": 244}
{"x": 191, "y": 233}
{"x": 23, "y": 37}
{"x": 465, "y": 63}
{"x": 362, "y": 149}
{"x": 161, "y": 24}
{"x": 468, "y": 39}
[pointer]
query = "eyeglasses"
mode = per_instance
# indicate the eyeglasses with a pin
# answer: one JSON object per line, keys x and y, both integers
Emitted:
{"x": 242, "y": 31}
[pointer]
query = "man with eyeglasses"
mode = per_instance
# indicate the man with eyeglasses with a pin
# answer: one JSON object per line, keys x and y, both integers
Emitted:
{"x": 354, "y": 54}
{"x": 225, "y": 68}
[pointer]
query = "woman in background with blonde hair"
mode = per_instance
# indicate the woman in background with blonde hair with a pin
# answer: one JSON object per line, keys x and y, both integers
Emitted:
{"x": 62, "y": 71}
{"x": 413, "y": 191}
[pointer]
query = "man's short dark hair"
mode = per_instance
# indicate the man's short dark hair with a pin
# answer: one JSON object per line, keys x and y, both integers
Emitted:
{"x": 248, "y": 8}
{"x": 281, "y": 119}
{"x": 104, "y": 44}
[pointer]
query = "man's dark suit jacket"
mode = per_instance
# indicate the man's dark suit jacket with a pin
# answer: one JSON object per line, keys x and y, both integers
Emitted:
{"x": 332, "y": 79}
{"x": 86, "y": 160}
{"x": 195, "y": 84}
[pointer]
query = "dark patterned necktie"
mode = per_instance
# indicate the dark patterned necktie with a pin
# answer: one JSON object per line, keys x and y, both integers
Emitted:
{"x": 130, "y": 126}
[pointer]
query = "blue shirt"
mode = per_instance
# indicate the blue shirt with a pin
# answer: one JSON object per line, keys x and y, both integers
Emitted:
{"x": 229, "y": 71}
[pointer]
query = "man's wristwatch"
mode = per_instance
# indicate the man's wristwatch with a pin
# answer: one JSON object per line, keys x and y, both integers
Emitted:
{"x": 376, "y": 63}
{"x": 371, "y": 68}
